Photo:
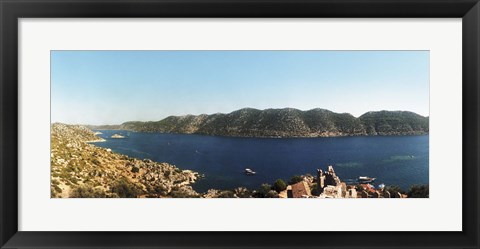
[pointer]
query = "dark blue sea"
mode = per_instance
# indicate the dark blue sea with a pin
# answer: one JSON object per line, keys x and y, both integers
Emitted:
{"x": 393, "y": 160}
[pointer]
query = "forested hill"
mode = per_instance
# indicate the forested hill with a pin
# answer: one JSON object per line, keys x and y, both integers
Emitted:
{"x": 288, "y": 122}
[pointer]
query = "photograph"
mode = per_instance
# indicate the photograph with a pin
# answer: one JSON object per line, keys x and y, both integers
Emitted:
{"x": 317, "y": 124}
{"x": 207, "y": 124}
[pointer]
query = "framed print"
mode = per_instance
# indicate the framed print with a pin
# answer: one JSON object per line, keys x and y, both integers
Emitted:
{"x": 251, "y": 124}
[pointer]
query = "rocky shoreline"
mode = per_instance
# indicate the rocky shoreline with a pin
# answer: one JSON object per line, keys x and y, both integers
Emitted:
{"x": 82, "y": 170}
{"x": 79, "y": 169}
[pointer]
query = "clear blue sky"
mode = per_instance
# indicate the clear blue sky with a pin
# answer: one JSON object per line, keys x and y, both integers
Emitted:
{"x": 111, "y": 87}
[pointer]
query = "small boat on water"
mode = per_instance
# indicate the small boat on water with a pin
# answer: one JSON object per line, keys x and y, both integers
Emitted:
{"x": 249, "y": 172}
{"x": 365, "y": 179}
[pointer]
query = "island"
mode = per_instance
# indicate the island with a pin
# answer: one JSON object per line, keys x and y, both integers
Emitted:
{"x": 287, "y": 122}
{"x": 117, "y": 136}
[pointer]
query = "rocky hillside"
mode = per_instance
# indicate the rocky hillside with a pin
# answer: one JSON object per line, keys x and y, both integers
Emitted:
{"x": 288, "y": 122}
{"x": 392, "y": 123}
{"x": 79, "y": 169}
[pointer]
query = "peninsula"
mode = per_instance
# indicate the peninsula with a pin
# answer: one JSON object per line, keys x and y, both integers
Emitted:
{"x": 79, "y": 169}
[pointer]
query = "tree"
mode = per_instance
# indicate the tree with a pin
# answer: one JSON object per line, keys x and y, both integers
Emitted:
{"x": 262, "y": 191}
{"x": 242, "y": 192}
{"x": 256, "y": 194}
{"x": 279, "y": 185}
{"x": 264, "y": 188}
{"x": 315, "y": 190}
{"x": 295, "y": 179}
{"x": 418, "y": 191}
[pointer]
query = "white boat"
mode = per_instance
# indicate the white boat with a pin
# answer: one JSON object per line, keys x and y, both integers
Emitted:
{"x": 249, "y": 171}
{"x": 365, "y": 179}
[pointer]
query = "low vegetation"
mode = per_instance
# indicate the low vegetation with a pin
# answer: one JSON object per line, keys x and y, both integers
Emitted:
{"x": 418, "y": 191}
{"x": 80, "y": 169}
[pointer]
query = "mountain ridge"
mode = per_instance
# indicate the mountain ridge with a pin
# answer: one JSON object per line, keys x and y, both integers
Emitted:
{"x": 286, "y": 122}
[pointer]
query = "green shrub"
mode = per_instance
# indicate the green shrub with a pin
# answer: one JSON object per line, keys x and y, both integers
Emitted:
{"x": 226, "y": 194}
{"x": 257, "y": 194}
{"x": 418, "y": 191}
{"x": 271, "y": 194}
{"x": 125, "y": 189}
{"x": 262, "y": 191}
{"x": 178, "y": 192}
{"x": 265, "y": 188}
{"x": 279, "y": 185}
{"x": 135, "y": 169}
{"x": 394, "y": 190}
{"x": 160, "y": 190}
{"x": 87, "y": 191}
{"x": 242, "y": 192}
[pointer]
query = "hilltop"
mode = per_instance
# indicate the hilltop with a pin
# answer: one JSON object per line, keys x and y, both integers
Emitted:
{"x": 287, "y": 122}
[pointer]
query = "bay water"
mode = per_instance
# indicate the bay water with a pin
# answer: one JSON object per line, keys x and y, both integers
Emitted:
{"x": 393, "y": 160}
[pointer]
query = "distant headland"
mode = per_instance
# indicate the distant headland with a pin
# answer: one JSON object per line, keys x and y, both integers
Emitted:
{"x": 284, "y": 123}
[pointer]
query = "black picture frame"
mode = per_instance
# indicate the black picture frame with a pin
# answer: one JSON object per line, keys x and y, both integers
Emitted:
{"x": 12, "y": 10}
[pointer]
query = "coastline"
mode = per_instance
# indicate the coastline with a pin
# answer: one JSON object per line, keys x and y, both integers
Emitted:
{"x": 96, "y": 141}
{"x": 150, "y": 177}
{"x": 229, "y": 174}
{"x": 80, "y": 169}
{"x": 194, "y": 176}
{"x": 269, "y": 137}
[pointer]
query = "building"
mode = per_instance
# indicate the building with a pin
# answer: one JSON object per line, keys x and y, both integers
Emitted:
{"x": 330, "y": 180}
{"x": 299, "y": 190}
{"x": 332, "y": 192}
{"x": 320, "y": 180}
{"x": 351, "y": 193}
